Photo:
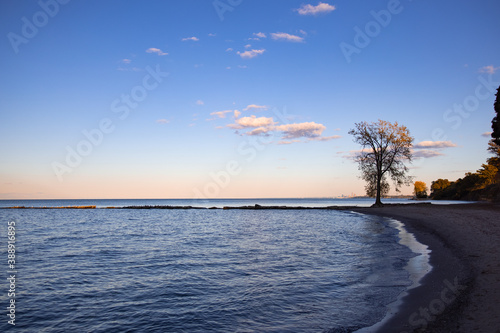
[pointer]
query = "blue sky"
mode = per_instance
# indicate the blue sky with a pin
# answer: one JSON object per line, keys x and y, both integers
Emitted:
{"x": 182, "y": 99}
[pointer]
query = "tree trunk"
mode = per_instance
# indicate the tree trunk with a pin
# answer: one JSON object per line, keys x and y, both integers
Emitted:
{"x": 378, "y": 202}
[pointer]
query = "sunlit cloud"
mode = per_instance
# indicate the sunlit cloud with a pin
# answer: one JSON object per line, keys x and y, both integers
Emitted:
{"x": 256, "y": 107}
{"x": 489, "y": 69}
{"x": 321, "y": 8}
{"x": 486, "y": 134}
{"x": 194, "y": 39}
{"x": 229, "y": 49}
{"x": 157, "y": 51}
{"x": 286, "y": 37}
{"x": 260, "y": 35}
{"x": 220, "y": 114}
{"x": 126, "y": 61}
{"x": 252, "y": 122}
{"x": 434, "y": 145}
{"x": 306, "y": 130}
{"x": 290, "y": 133}
{"x": 248, "y": 46}
{"x": 250, "y": 53}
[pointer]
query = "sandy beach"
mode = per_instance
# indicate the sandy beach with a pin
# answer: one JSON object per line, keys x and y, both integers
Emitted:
{"x": 462, "y": 291}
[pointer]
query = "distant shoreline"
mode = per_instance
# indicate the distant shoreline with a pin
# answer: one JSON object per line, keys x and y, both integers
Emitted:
{"x": 253, "y": 207}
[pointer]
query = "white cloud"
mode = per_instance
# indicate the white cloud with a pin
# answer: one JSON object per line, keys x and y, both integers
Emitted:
{"x": 126, "y": 61}
{"x": 315, "y": 10}
{"x": 200, "y": 102}
{"x": 157, "y": 51}
{"x": 489, "y": 69}
{"x": 163, "y": 121}
{"x": 248, "y": 46}
{"x": 242, "y": 66}
{"x": 229, "y": 49}
{"x": 194, "y": 39}
{"x": 287, "y": 37}
{"x": 307, "y": 130}
{"x": 260, "y": 35}
{"x": 250, "y": 53}
{"x": 434, "y": 145}
{"x": 255, "y": 106}
{"x": 252, "y": 121}
{"x": 212, "y": 35}
{"x": 220, "y": 114}
{"x": 486, "y": 134}
{"x": 290, "y": 133}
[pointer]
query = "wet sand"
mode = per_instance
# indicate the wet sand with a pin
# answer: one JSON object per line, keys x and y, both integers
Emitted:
{"x": 462, "y": 292}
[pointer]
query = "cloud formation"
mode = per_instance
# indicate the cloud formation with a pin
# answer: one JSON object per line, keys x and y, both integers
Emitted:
{"x": 306, "y": 130}
{"x": 286, "y": 37}
{"x": 157, "y": 51}
{"x": 255, "y": 106}
{"x": 252, "y": 122}
{"x": 489, "y": 69}
{"x": 163, "y": 121}
{"x": 315, "y": 10}
{"x": 220, "y": 114}
{"x": 250, "y": 53}
{"x": 260, "y": 35}
{"x": 194, "y": 39}
{"x": 434, "y": 145}
{"x": 486, "y": 134}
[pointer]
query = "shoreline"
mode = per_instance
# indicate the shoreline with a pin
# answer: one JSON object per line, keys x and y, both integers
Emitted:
{"x": 461, "y": 292}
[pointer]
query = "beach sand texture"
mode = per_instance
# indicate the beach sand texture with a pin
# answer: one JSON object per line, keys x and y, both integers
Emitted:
{"x": 462, "y": 292}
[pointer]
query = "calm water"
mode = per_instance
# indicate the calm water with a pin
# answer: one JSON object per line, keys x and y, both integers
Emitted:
{"x": 201, "y": 270}
{"x": 321, "y": 202}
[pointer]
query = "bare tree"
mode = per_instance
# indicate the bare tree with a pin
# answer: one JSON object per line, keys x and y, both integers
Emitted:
{"x": 385, "y": 149}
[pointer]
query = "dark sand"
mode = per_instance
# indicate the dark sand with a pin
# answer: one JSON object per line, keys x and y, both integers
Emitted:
{"x": 462, "y": 292}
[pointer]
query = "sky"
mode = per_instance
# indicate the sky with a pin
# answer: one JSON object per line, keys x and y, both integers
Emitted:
{"x": 237, "y": 98}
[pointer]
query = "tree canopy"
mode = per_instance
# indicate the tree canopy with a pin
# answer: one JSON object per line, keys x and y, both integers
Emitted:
{"x": 420, "y": 189}
{"x": 495, "y": 123}
{"x": 385, "y": 149}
